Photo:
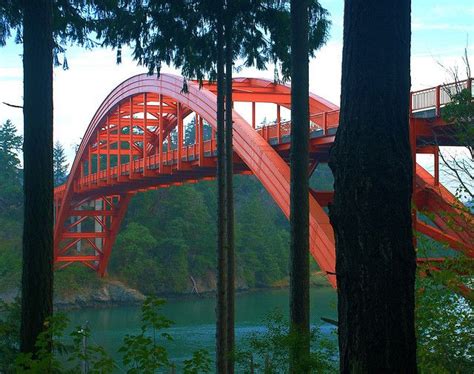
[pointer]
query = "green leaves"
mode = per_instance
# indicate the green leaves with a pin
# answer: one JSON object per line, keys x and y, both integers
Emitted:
{"x": 200, "y": 363}
{"x": 151, "y": 318}
{"x": 269, "y": 350}
{"x": 49, "y": 346}
{"x": 92, "y": 356}
{"x": 444, "y": 323}
{"x": 143, "y": 353}
{"x": 9, "y": 333}
{"x": 182, "y": 33}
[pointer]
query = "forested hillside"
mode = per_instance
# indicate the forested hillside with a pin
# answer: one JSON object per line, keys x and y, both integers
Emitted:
{"x": 167, "y": 242}
{"x": 169, "y": 236}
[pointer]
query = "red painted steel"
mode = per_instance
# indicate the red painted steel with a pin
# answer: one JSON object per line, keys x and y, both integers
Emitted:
{"x": 151, "y": 109}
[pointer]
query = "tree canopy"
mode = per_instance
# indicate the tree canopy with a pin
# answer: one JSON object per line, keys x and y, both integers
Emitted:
{"x": 182, "y": 33}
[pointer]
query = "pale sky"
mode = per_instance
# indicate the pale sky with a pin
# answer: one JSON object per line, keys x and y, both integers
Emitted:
{"x": 440, "y": 32}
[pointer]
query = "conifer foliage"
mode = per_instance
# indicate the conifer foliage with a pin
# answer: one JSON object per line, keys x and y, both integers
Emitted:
{"x": 60, "y": 165}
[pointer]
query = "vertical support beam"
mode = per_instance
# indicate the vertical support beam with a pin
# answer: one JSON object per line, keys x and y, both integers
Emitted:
{"x": 130, "y": 130}
{"x": 89, "y": 150}
{"x": 98, "y": 156}
{"x": 120, "y": 210}
{"x": 145, "y": 115}
{"x": 436, "y": 166}
{"x": 108, "y": 150}
{"x": 79, "y": 229}
{"x": 196, "y": 134}
{"x": 213, "y": 138}
{"x": 169, "y": 151}
{"x": 438, "y": 100}
{"x": 253, "y": 115}
{"x": 278, "y": 132}
{"x": 98, "y": 205}
{"x": 201, "y": 141}
{"x": 325, "y": 123}
{"x": 119, "y": 145}
{"x": 81, "y": 173}
{"x": 180, "y": 134}
{"x": 160, "y": 136}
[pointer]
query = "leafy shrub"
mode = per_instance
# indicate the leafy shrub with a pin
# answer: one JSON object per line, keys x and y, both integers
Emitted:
{"x": 269, "y": 351}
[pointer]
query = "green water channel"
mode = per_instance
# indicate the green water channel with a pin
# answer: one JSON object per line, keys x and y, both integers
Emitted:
{"x": 194, "y": 319}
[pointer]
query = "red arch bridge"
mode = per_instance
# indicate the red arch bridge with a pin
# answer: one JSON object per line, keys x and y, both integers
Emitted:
{"x": 137, "y": 141}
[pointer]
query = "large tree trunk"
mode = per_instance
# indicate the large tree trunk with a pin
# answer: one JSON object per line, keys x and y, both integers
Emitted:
{"x": 371, "y": 213}
{"x": 37, "y": 277}
{"x": 299, "y": 201}
{"x": 229, "y": 172}
{"x": 221, "y": 310}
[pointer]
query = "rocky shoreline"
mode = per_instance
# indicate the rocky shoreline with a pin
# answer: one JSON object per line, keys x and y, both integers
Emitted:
{"x": 110, "y": 293}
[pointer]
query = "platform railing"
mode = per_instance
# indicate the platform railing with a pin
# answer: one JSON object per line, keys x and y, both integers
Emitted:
{"x": 437, "y": 97}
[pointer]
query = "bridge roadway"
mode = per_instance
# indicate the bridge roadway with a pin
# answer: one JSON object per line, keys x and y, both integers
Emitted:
{"x": 126, "y": 149}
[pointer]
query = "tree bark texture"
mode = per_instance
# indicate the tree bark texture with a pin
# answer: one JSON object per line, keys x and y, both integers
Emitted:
{"x": 229, "y": 173}
{"x": 37, "y": 276}
{"x": 371, "y": 213}
{"x": 221, "y": 309}
{"x": 299, "y": 201}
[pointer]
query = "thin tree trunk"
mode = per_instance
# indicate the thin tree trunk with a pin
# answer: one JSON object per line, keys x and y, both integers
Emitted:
{"x": 229, "y": 172}
{"x": 371, "y": 213}
{"x": 299, "y": 200}
{"x": 221, "y": 311}
{"x": 37, "y": 277}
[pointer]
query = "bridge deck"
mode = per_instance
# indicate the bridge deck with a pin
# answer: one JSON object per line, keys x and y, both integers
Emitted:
{"x": 144, "y": 115}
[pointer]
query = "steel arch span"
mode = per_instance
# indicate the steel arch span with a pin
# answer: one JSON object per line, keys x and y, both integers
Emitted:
{"x": 137, "y": 141}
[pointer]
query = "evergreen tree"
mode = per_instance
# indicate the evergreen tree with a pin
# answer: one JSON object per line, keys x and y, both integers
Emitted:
{"x": 37, "y": 277}
{"x": 222, "y": 321}
{"x": 10, "y": 145}
{"x": 10, "y": 179}
{"x": 229, "y": 174}
{"x": 59, "y": 164}
{"x": 44, "y": 27}
{"x": 299, "y": 199}
{"x": 184, "y": 34}
{"x": 373, "y": 174}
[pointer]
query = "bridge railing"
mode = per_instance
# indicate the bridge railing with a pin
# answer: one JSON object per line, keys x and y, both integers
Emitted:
{"x": 436, "y": 97}
{"x": 280, "y": 132}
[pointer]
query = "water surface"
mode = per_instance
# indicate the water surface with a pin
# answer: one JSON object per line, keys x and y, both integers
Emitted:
{"x": 194, "y": 319}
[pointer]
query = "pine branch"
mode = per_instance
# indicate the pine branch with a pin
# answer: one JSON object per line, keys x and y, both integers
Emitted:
{"x": 12, "y": 105}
